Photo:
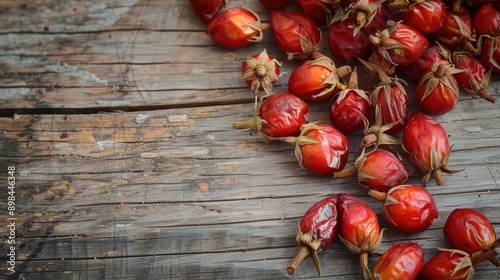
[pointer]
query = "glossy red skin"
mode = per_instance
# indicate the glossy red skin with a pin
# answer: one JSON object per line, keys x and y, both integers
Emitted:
{"x": 450, "y": 29}
{"x": 345, "y": 115}
{"x": 422, "y": 134}
{"x": 442, "y": 266}
{"x": 486, "y": 21}
{"x": 275, "y": 4}
{"x": 396, "y": 110}
{"x": 228, "y": 28}
{"x": 381, "y": 170}
{"x": 327, "y": 156}
{"x": 415, "y": 210}
{"x": 470, "y": 65}
{"x": 429, "y": 57}
{"x": 315, "y": 9}
{"x": 468, "y": 230}
{"x": 401, "y": 261}
{"x": 207, "y": 9}
{"x": 306, "y": 81}
{"x": 426, "y": 16}
{"x": 245, "y": 67}
{"x": 413, "y": 43}
{"x": 283, "y": 115}
{"x": 441, "y": 100}
{"x": 289, "y": 26}
{"x": 344, "y": 44}
{"x": 358, "y": 221}
{"x": 322, "y": 219}
{"x": 490, "y": 54}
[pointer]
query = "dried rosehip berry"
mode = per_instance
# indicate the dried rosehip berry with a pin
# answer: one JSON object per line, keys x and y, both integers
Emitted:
{"x": 359, "y": 228}
{"x": 277, "y": 115}
{"x": 207, "y": 9}
{"x": 345, "y": 45}
{"x": 490, "y": 53}
{"x": 471, "y": 231}
{"x": 401, "y": 261}
{"x": 260, "y": 71}
{"x": 317, "y": 231}
{"x": 431, "y": 56}
{"x": 408, "y": 208}
{"x": 437, "y": 90}
{"x": 486, "y": 21}
{"x": 296, "y": 34}
{"x": 235, "y": 28}
{"x": 426, "y": 16}
{"x": 426, "y": 142}
{"x": 315, "y": 9}
{"x": 475, "y": 77}
{"x": 456, "y": 33}
{"x": 317, "y": 80}
{"x": 349, "y": 107}
{"x": 390, "y": 96}
{"x": 377, "y": 170}
{"x": 400, "y": 43}
{"x": 448, "y": 264}
{"x": 320, "y": 148}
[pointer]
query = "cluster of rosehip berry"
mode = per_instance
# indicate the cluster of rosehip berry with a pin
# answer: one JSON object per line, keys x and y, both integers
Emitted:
{"x": 384, "y": 36}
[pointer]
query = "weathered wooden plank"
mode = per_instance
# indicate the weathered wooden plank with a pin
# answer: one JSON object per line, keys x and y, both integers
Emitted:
{"x": 201, "y": 200}
{"x": 92, "y": 15}
{"x": 59, "y": 68}
{"x": 198, "y": 179}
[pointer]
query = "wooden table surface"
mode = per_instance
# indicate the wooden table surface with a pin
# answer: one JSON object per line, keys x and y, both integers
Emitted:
{"x": 117, "y": 117}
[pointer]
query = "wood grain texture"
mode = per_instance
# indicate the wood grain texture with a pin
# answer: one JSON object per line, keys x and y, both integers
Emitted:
{"x": 117, "y": 116}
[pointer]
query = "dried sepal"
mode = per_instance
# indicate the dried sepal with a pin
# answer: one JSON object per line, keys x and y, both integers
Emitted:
{"x": 261, "y": 72}
{"x": 384, "y": 42}
{"x": 307, "y": 47}
{"x": 436, "y": 168}
{"x": 386, "y": 66}
{"x": 353, "y": 86}
{"x": 464, "y": 41}
{"x": 439, "y": 74}
{"x": 465, "y": 263}
{"x": 386, "y": 82}
{"x": 375, "y": 134}
{"x": 256, "y": 25}
{"x": 478, "y": 88}
{"x": 334, "y": 78}
{"x": 303, "y": 140}
{"x": 400, "y": 5}
{"x": 365, "y": 11}
{"x": 307, "y": 246}
{"x": 256, "y": 122}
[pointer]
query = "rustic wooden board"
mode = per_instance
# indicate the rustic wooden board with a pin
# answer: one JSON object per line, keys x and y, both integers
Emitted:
{"x": 118, "y": 120}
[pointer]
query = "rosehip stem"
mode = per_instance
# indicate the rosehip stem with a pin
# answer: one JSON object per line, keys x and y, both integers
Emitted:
{"x": 246, "y": 124}
{"x": 265, "y": 26}
{"x": 485, "y": 95}
{"x": 438, "y": 176}
{"x": 363, "y": 261}
{"x": 301, "y": 252}
{"x": 486, "y": 254}
{"x": 380, "y": 196}
{"x": 346, "y": 173}
{"x": 289, "y": 140}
